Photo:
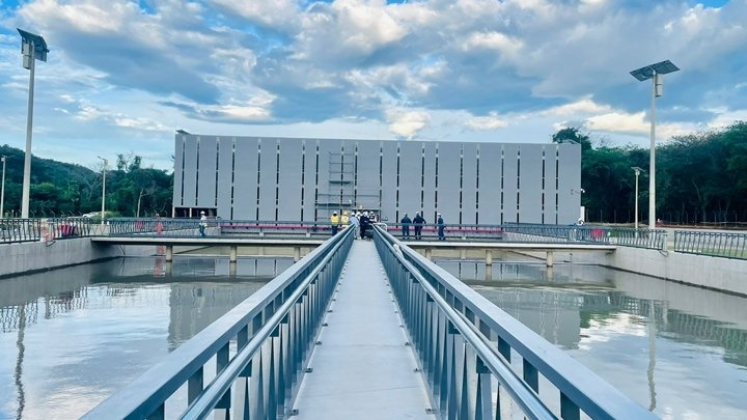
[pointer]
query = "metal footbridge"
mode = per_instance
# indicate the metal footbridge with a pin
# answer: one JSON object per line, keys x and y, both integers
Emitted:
{"x": 367, "y": 330}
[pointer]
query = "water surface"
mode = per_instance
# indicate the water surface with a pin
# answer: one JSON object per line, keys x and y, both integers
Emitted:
{"x": 69, "y": 338}
{"x": 679, "y": 351}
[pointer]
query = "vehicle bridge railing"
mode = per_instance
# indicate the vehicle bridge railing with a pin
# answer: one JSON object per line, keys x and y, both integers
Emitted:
{"x": 636, "y": 238}
{"x": 716, "y": 244}
{"x": 260, "y": 350}
{"x": 465, "y": 344}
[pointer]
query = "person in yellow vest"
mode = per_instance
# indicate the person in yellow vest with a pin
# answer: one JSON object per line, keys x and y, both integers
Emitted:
{"x": 335, "y": 220}
{"x": 345, "y": 219}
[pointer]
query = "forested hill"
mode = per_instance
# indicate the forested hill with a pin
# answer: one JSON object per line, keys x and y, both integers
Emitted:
{"x": 64, "y": 189}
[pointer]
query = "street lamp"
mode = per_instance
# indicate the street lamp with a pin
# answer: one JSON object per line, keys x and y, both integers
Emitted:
{"x": 637, "y": 171}
{"x": 656, "y": 73}
{"x": 2, "y": 191}
{"x": 33, "y": 47}
{"x": 103, "y": 191}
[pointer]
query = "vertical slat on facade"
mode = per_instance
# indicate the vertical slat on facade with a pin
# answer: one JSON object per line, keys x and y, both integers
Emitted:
{"x": 178, "y": 171}
{"x": 429, "y": 185}
{"x": 289, "y": 206}
{"x": 206, "y": 186}
{"x": 190, "y": 173}
{"x": 268, "y": 179}
{"x": 550, "y": 189}
{"x": 309, "y": 180}
{"x": 410, "y": 170}
{"x": 225, "y": 166}
{"x": 469, "y": 183}
{"x": 245, "y": 186}
{"x": 490, "y": 183}
{"x": 389, "y": 185}
{"x": 449, "y": 161}
{"x": 510, "y": 184}
{"x": 570, "y": 183}
{"x": 530, "y": 199}
{"x": 367, "y": 184}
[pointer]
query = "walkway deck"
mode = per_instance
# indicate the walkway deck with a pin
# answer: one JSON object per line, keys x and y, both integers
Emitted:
{"x": 363, "y": 369}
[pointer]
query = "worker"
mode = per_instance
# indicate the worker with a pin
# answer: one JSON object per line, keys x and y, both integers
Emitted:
{"x": 335, "y": 220}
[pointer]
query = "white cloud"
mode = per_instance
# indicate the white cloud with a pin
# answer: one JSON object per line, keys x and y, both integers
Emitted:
{"x": 406, "y": 123}
{"x": 583, "y": 106}
{"x": 490, "y": 122}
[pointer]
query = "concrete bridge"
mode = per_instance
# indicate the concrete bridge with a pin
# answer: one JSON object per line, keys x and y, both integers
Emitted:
{"x": 367, "y": 329}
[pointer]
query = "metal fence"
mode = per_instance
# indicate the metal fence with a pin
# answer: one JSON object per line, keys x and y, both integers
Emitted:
{"x": 717, "y": 244}
{"x": 465, "y": 345}
{"x": 636, "y": 238}
{"x": 49, "y": 230}
{"x": 236, "y": 228}
{"x": 260, "y": 350}
{"x": 452, "y": 232}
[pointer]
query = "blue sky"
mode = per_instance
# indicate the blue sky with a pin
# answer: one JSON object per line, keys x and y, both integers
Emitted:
{"x": 122, "y": 76}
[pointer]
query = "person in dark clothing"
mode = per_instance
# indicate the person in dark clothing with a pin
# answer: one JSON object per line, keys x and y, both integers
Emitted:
{"x": 418, "y": 221}
{"x": 406, "y": 227}
{"x": 441, "y": 226}
{"x": 365, "y": 223}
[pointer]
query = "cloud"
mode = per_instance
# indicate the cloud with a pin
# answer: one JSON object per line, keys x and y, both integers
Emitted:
{"x": 406, "y": 124}
{"x": 490, "y": 122}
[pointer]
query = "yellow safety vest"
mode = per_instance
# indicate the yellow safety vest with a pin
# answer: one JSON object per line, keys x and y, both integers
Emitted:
{"x": 345, "y": 220}
{"x": 335, "y": 219}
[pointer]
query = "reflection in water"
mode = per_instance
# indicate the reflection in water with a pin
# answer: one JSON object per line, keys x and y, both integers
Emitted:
{"x": 71, "y": 337}
{"x": 679, "y": 350}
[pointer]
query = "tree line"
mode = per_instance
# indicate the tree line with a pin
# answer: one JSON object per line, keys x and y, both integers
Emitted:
{"x": 61, "y": 189}
{"x": 701, "y": 178}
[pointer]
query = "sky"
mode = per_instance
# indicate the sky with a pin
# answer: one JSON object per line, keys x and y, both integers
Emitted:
{"x": 123, "y": 76}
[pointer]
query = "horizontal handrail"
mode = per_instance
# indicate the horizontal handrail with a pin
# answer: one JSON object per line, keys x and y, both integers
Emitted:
{"x": 520, "y": 391}
{"x": 300, "y": 288}
{"x": 715, "y": 244}
{"x": 579, "y": 387}
{"x": 636, "y": 238}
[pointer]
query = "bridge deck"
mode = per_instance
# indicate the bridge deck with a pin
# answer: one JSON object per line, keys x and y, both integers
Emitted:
{"x": 362, "y": 369}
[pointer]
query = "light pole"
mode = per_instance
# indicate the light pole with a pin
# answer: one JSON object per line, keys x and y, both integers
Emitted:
{"x": 637, "y": 171}
{"x": 103, "y": 191}
{"x": 33, "y": 47}
{"x": 656, "y": 73}
{"x": 2, "y": 191}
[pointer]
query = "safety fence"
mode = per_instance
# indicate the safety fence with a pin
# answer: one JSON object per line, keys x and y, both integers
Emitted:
{"x": 636, "y": 238}
{"x": 259, "y": 351}
{"x": 451, "y": 232}
{"x": 48, "y": 230}
{"x": 465, "y": 346}
{"x": 717, "y": 244}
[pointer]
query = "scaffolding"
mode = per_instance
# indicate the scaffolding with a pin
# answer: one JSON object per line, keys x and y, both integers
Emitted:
{"x": 342, "y": 192}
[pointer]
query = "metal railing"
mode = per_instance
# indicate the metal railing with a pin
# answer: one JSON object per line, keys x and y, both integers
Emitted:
{"x": 50, "y": 229}
{"x": 465, "y": 343}
{"x": 716, "y": 244}
{"x": 237, "y": 228}
{"x": 636, "y": 238}
{"x": 272, "y": 331}
{"x": 453, "y": 232}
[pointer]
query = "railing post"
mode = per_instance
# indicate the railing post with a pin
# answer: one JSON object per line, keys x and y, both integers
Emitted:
{"x": 233, "y": 252}
{"x": 169, "y": 253}
{"x": 296, "y": 253}
{"x": 549, "y": 259}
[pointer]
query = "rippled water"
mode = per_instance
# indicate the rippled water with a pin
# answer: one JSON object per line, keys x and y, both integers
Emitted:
{"x": 678, "y": 350}
{"x": 69, "y": 338}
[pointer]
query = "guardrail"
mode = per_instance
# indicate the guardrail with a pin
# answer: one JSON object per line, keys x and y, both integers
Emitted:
{"x": 49, "y": 229}
{"x": 272, "y": 333}
{"x": 464, "y": 342}
{"x": 716, "y": 244}
{"x": 636, "y": 238}
{"x": 453, "y": 232}
{"x": 190, "y": 227}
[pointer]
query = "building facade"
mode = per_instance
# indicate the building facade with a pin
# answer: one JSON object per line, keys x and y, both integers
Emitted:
{"x": 290, "y": 179}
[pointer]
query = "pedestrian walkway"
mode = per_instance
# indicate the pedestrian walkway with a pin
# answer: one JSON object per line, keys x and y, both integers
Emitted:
{"x": 363, "y": 369}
